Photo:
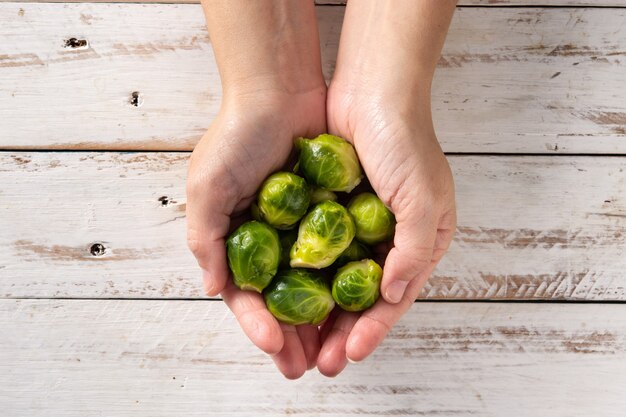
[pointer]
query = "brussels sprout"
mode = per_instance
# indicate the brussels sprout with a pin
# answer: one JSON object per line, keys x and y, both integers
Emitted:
{"x": 253, "y": 255}
{"x": 356, "y": 286}
{"x": 329, "y": 162}
{"x": 283, "y": 199}
{"x": 355, "y": 252}
{"x": 319, "y": 194}
{"x": 374, "y": 222}
{"x": 287, "y": 239}
{"x": 298, "y": 296}
{"x": 324, "y": 233}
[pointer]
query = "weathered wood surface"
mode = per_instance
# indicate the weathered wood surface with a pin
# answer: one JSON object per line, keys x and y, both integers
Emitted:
{"x": 164, "y": 358}
{"x": 530, "y": 227}
{"x": 514, "y": 80}
{"x": 578, "y": 3}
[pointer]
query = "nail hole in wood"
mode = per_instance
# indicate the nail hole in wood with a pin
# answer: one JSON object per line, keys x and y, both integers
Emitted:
{"x": 74, "y": 43}
{"x": 97, "y": 249}
{"x": 166, "y": 201}
{"x": 136, "y": 99}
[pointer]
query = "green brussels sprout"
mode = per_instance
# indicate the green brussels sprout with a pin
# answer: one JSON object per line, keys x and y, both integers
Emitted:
{"x": 324, "y": 233}
{"x": 298, "y": 296}
{"x": 374, "y": 222}
{"x": 283, "y": 199}
{"x": 253, "y": 255}
{"x": 355, "y": 252}
{"x": 319, "y": 194}
{"x": 356, "y": 286}
{"x": 287, "y": 239}
{"x": 329, "y": 162}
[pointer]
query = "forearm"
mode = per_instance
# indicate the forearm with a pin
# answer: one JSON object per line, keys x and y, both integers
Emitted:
{"x": 265, "y": 45}
{"x": 392, "y": 47}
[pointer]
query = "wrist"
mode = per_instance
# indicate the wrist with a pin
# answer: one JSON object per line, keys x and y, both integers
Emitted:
{"x": 292, "y": 114}
{"x": 397, "y": 95}
{"x": 275, "y": 87}
{"x": 379, "y": 101}
{"x": 265, "y": 45}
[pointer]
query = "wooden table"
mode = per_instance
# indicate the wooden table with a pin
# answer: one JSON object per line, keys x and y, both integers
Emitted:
{"x": 102, "y": 312}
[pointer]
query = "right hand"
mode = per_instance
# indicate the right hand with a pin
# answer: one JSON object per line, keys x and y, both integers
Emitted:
{"x": 251, "y": 137}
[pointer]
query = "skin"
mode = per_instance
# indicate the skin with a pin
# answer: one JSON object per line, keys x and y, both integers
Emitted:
{"x": 379, "y": 99}
{"x": 269, "y": 98}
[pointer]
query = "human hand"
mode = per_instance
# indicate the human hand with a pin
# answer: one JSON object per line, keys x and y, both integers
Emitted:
{"x": 398, "y": 149}
{"x": 251, "y": 138}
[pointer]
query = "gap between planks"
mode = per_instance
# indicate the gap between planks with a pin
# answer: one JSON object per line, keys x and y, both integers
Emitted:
{"x": 430, "y": 300}
{"x": 187, "y": 151}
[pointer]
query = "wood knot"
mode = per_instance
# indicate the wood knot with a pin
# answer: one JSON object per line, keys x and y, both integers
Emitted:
{"x": 97, "y": 249}
{"x": 74, "y": 43}
{"x": 136, "y": 99}
{"x": 165, "y": 201}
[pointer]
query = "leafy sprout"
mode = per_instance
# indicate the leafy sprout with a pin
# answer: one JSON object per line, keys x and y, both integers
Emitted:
{"x": 329, "y": 162}
{"x": 374, "y": 222}
{"x": 253, "y": 255}
{"x": 356, "y": 286}
{"x": 355, "y": 252}
{"x": 324, "y": 233}
{"x": 319, "y": 194}
{"x": 283, "y": 199}
{"x": 299, "y": 296}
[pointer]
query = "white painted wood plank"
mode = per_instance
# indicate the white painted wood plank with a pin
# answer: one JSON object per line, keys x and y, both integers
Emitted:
{"x": 513, "y": 80}
{"x": 495, "y": 3}
{"x": 75, "y": 358}
{"x": 529, "y": 227}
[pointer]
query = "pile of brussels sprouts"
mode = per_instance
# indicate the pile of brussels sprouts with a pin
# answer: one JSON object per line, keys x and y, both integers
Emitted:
{"x": 302, "y": 237}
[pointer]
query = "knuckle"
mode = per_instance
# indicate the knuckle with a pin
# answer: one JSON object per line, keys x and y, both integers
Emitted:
{"x": 220, "y": 183}
{"x": 419, "y": 262}
{"x": 193, "y": 186}
{"x": 195, "y": 243}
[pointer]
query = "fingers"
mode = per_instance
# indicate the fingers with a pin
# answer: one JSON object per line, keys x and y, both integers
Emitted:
{"x": 374, "y": 324}
{"x": 294, "y": 350}
{"x": 370, "y": 330}
{"x": 208, "y": 218}
{"x": 291, "y": 360}
{"x": 254, "y": 318}
{"x": 332, "y": 358}
{"x": 445, "y": 233}
{"x": 411, "y": 255}
{"x": 310, "y": 339}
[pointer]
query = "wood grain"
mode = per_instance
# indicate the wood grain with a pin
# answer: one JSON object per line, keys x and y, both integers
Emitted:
{"x": 76, "y": 358}
{"x": 530, "y": 227}
{"x": 499, "y": 3}
{"x": 513, "y": 80}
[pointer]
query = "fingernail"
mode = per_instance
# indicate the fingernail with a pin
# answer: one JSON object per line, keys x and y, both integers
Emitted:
{"x": 395, "y": 291}
{"x": 351, "y": 361}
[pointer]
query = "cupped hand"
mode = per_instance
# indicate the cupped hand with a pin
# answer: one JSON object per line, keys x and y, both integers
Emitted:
{"x": 251, "y": 137}
{"x": 400, "y": 154}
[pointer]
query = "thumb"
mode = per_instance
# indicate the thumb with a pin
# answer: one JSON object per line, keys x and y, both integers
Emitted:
{"x": 207, "y": 227}
{"x": 411, "y": 256}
